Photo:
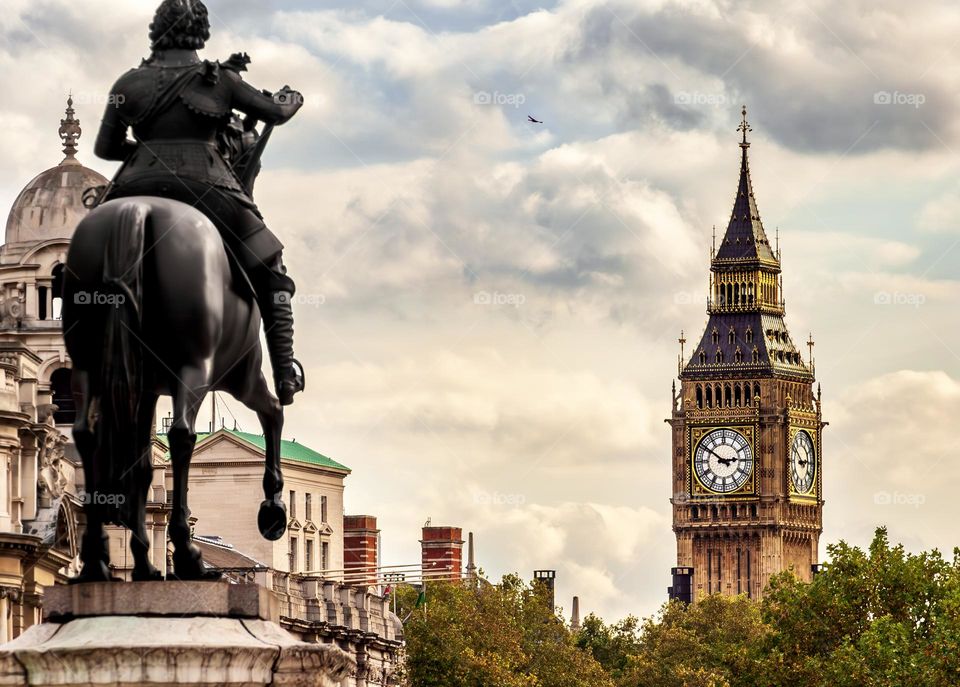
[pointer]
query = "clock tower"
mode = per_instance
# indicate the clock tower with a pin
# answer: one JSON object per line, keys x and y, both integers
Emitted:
{"x": 746, "y": 425}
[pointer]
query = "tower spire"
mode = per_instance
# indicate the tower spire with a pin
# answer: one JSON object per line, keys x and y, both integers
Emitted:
{"x": 744, "y": 127}
{"x": 70, "y": 132}
{"x": 745, "y": 240}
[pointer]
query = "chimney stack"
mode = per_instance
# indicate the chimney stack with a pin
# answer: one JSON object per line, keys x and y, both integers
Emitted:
{"x": 548, "y": 578}
{"x": 360, "y": 536}
{"x": 441, "y": 552}
{"x": 471, "y": 561}
{"x": 575, "y": 618}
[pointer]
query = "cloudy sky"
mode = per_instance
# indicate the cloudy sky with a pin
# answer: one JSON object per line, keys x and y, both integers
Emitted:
{"x": 492, "y": 307}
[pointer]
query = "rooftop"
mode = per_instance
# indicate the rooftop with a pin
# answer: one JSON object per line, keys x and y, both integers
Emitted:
{"x": 289, "y": 450}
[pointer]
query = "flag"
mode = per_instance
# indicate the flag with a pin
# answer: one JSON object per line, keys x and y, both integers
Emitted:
{"x": 422, "y": 598}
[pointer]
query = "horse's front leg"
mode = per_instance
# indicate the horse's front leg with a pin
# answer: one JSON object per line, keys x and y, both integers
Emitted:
{"x": 182, "y": 437}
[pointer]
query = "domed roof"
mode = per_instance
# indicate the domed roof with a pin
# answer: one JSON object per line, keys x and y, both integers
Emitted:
{"x": 51, "y": 205}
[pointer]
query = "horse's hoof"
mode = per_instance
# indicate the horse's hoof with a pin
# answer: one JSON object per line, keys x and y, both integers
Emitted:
{"x": 188, "y": 565}
{"x": 272, "y": 519}
{"x": 93, "y": 572}
{"x": 194, "y": 576}
{"x": 149, "y": 575}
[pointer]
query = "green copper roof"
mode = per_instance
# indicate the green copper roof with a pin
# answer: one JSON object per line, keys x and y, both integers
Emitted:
{"x": 290, "y": 450}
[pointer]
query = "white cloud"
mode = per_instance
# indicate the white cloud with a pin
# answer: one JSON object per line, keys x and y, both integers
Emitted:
{"x": 400, "y": 197}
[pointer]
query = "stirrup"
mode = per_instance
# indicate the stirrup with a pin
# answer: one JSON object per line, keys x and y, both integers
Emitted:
{"x": 299, "y": 376}
{"x": 292, "y": 382}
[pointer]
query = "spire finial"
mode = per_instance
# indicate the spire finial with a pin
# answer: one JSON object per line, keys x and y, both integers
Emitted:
{"x": 744, "y": 127}
{"x": 70, "y": 131}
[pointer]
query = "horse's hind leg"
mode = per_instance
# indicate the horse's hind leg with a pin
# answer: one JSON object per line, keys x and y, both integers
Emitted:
{"x": 93, "y": 548}
{"x": 272, "y": 518}
{"x": 192, "y": 386}
{"x": 143, "y": 569}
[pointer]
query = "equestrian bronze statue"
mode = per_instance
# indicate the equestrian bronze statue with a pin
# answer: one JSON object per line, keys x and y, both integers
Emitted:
{"x": 167, "y": 280}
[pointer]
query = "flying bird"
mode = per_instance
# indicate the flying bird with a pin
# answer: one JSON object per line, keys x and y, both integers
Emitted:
{"x": 532, "y": 120}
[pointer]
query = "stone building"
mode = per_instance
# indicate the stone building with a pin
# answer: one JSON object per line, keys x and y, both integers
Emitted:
{"x": 39, "y": 496}
{"x": 746, "y": 424}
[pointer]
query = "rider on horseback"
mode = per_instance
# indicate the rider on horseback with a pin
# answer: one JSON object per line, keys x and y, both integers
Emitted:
{"x": 181, "y": 111}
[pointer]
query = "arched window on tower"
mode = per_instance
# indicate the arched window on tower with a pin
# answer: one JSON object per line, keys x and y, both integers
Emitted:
{"x": 57, "y": 292}
{"x": 738, "y": 356}
{"x": 62, "y": 397}
{"x": 748, "y": 335}
{"x": 709, "y": 396}
{"x": 732, "y": 335}
{"x": 715, "y": 335}
{"x": 699, "y": 396}
{"x": 756, "y": 355}
{"x": 719, "y": 356}
{"x": 703, "y": 358}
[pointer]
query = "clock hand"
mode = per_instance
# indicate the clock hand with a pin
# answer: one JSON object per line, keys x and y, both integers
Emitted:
{"x": 715, "y": 455}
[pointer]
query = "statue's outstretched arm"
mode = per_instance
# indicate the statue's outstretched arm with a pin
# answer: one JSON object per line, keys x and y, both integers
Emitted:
{"x": 269, "y": 109}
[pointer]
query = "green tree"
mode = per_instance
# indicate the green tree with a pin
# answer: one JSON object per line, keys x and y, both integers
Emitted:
{"x": 611, "y": 645}
{"x": 880, "y": 617}
{"x": 502, "y": 634}
{"x": 714, "y": 643}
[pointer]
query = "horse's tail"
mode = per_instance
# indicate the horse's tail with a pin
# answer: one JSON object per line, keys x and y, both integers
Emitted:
{"x": 122, "y": 370}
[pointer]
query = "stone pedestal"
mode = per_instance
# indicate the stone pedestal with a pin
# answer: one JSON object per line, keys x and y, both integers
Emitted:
{"x": 166, "y": 633}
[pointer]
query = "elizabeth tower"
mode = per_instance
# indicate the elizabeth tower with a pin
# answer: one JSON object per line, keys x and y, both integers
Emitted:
{"x": 747, "y": 478}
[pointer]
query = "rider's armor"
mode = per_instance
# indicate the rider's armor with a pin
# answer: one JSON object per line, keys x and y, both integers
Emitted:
{"x": 181, "y": 111}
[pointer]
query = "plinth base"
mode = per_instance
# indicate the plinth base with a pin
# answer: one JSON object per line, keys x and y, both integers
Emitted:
{"x": 190, "y": 637}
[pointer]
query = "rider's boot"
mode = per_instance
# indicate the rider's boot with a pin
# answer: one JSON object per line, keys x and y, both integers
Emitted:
{"x": 274, "y": 295}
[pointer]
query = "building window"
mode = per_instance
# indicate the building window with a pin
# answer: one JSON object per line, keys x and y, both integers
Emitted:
{"x": 293, "y": 503}
{"x": 756, "y": 355}
{"x": 41, "y": 302}
{"x": 748, "y": 335}
{"x": 739, "y": 355}
{"x": 56, "y": 289}
{"x": 293, "y": 554}
{"x": 703, "y": 358}
{"x": 323, "y": 508}
{"x": 308, "y": 554}
{"x": 324, "y": 556}
{"x": 308, "y": 507}
{"x": 719, "y": 356}
{"x": 716, "y": 336}
{"x": 732, "y": 336}
{"x": 62, "y": 392}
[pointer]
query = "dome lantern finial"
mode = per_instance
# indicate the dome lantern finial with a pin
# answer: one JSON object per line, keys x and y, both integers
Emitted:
{"x": 744, "y": 127}
{"x": 70, "y": 131}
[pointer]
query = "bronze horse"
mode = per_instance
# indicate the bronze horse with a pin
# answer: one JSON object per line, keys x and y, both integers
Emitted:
{"x": 152, "y": 306}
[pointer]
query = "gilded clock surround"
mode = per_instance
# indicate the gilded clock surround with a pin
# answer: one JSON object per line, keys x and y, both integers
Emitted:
{"x": 696, "y": 487}
{"x": 811, "y": 494}
{"x": 745, "y": 373}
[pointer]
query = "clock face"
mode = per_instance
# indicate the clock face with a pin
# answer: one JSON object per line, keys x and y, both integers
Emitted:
{"x": 803, "y": 463}
{"x": 723, "y": 461}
